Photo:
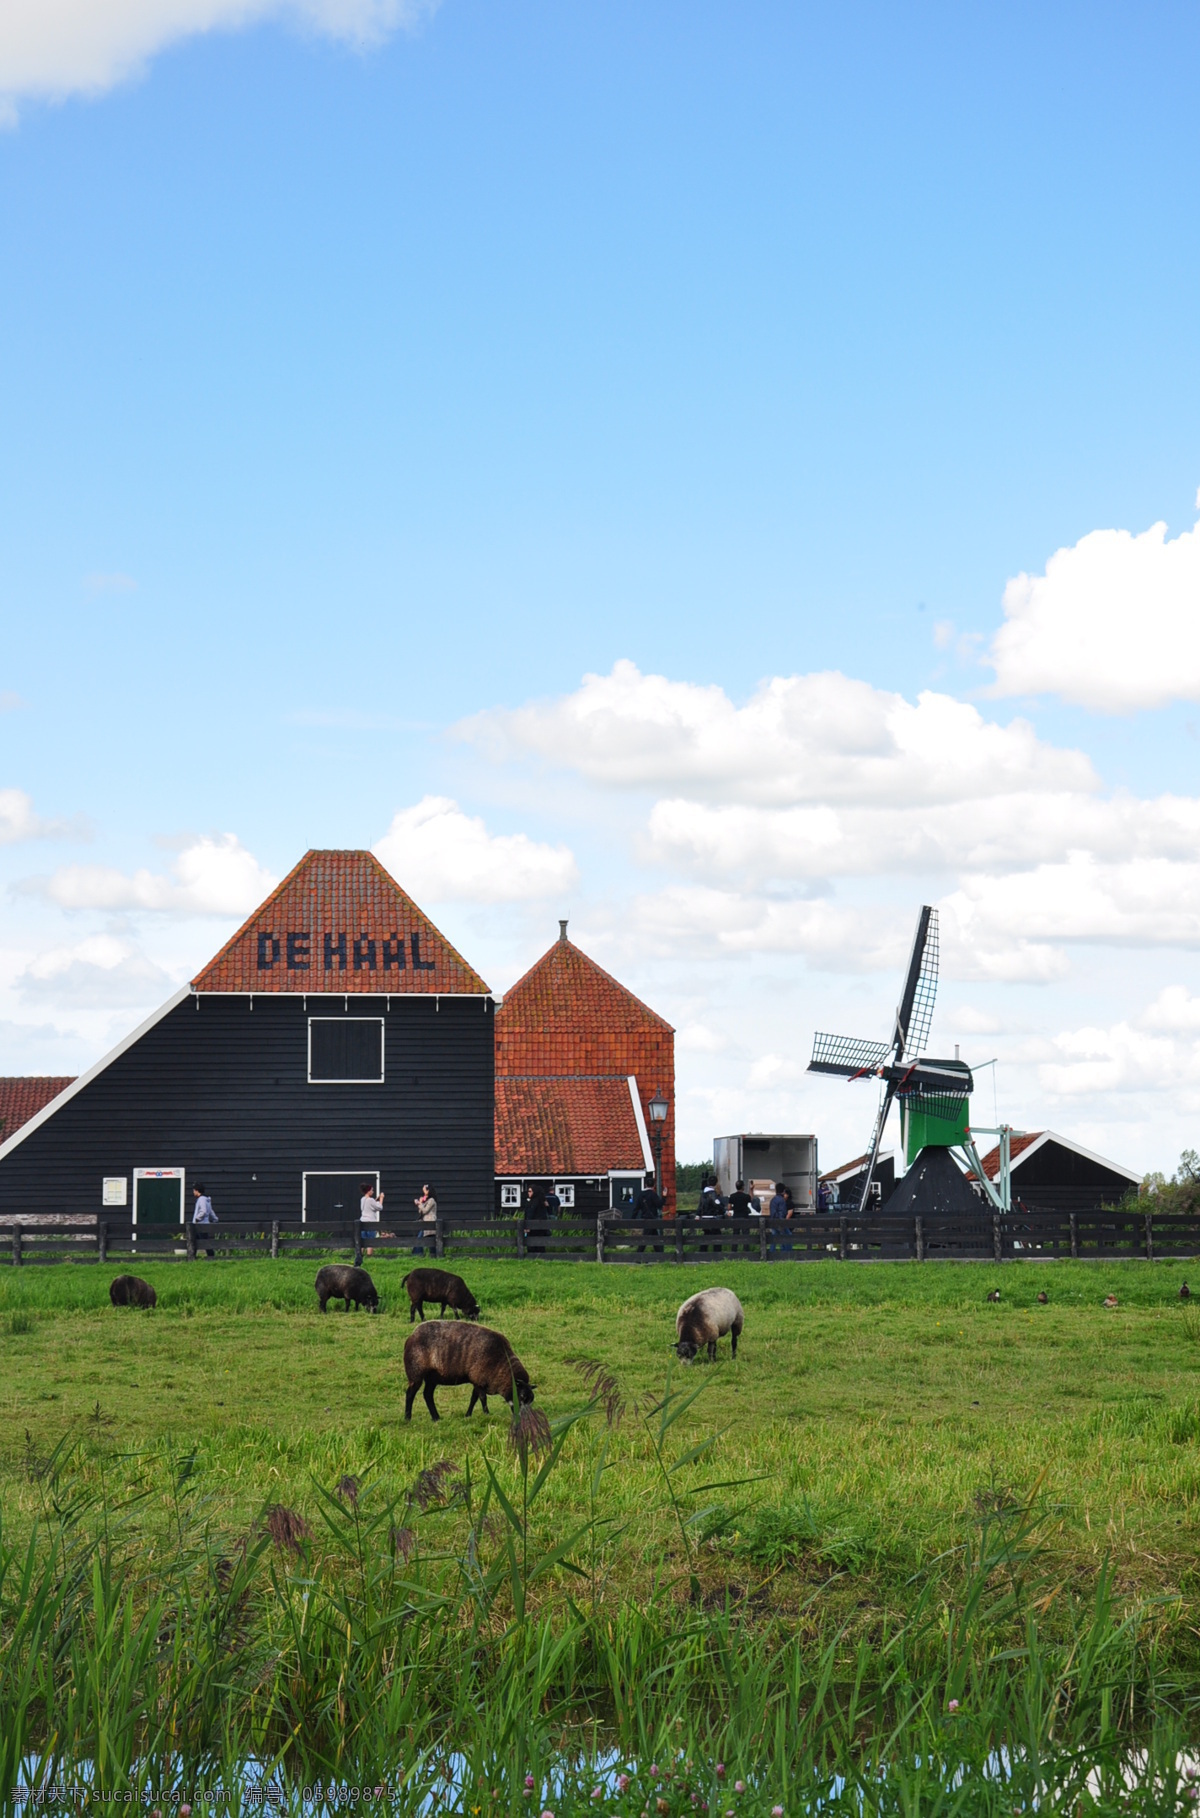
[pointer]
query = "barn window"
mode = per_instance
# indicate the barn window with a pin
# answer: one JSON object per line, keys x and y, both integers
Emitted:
{"x": 510, "y": 1196}
{"x": 345, "y": 1050}
{"x": 566, "y": 1193}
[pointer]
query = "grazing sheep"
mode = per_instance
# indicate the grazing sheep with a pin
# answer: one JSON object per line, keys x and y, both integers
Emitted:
{"x": 442, "y": 1353}
{"x": 131, "y": 1291}
{"x": 438, "y": 1284}
{"x": 338, "y": 1281}
{"x": 706, "y": 1317}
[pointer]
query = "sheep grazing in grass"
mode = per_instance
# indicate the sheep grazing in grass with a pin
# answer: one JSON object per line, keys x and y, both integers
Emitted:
{"x": 339, "y": 1281}
{"x": 438, "y": 1285}
{"x": 706, "y": 1317}
{"x": 131, "y": 1291}
{"x": 443, "y": 1353}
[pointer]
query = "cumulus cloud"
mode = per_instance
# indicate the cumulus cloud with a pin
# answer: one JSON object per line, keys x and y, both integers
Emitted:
{"x": 1150, "y": 903}
{"x": 102, "y": 972}
{"x": 821, "y": 738}
{"x": 18, "y": 820}
{"x": 1113, "y": 623}
{"x": 214, "y": 875}
{"x": 55, "y": 48}
{"x": 441, "y": 854}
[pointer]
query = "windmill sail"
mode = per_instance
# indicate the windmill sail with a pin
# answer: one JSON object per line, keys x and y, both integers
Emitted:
{"x": 914, "y": 1013}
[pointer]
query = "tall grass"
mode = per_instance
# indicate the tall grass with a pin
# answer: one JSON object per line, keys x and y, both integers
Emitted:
{"x": 429, "y": 1642}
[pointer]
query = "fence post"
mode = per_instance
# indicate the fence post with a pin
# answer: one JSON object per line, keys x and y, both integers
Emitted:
{"x": 1075, "y": 1235}
{"x": 18, "y": 1259}
{"x": 762, "y": 1240}
{"x": 439, "y": 1240}
{"x": 102, "y": 1242}
{"x": 274, "y": 1239}
{"x": 997, "y": 1240}
{"x": 600, "y": 1237}
{"x": 190, "y": 1240}
{"x": 1149, "y": 1237}
{"x": 520, "y": 1236}
{"x": 919, "y": 1238}
{"x": 358, "y": 1247}
{"x": 841, "y": 1240}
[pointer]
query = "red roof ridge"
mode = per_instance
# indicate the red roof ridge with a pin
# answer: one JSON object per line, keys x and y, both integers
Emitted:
{"x": 548, "y": 958}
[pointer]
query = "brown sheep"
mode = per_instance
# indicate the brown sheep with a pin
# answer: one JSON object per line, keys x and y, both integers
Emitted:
{"x": 131, "y": 1291}
{"x": 438, "y": 1284}
{"x": 443, "y": 1353}
{"x": 704, "y": 1318}
{"x": 340, "y": 1281}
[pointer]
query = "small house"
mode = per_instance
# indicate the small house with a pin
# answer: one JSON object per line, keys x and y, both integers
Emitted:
{"x": 1047, "y": 1169}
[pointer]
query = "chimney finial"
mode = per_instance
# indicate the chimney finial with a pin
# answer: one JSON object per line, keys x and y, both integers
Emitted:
{"x": 562, "y": 929}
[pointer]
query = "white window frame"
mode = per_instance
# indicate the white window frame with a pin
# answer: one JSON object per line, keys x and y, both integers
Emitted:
{"x": 179, "y": 1174}
{"x": 313, "y": 1081}
{"x": 510, "y": 1196}
{"x": 566, "y": 1194}
{"x": 337, "y": 1174}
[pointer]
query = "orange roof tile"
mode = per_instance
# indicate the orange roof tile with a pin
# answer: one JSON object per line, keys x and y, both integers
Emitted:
{"x": 339, "y": 922}
{"x": 1018, "y": 1146}
{"x": 23, "y": 1097}
{"x": 565, "y": 1126}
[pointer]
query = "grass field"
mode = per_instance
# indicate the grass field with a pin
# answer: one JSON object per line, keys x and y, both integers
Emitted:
{"x": 876, "y": 1422}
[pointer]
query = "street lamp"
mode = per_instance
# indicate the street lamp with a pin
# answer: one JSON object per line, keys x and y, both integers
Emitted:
{"x": 658, "y": 1107}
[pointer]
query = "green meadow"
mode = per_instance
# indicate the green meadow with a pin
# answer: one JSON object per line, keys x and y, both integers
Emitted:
{"x": 895, "y": 1478}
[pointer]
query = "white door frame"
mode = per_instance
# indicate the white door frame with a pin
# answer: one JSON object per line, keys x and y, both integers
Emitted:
{"x": 179, "y": 1174}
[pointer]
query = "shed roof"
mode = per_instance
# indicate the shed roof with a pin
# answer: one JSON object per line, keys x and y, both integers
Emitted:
{"x": 576, "y": 1125}
{"x": 338, "y": 922}
{"x": 1026, "y": 1145}
{"x": 23, "y": 1096}
{"x": 566, "y": 991}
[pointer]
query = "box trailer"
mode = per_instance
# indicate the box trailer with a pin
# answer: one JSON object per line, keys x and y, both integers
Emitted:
{"x": 761, "y": 1161}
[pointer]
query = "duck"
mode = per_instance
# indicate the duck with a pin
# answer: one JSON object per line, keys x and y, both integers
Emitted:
{"x": 1043, "y": 1299}
{"x": 995, "y": 1294}
{"x": 1185, "y": 1293}
{"x": 1110, "y": 1300}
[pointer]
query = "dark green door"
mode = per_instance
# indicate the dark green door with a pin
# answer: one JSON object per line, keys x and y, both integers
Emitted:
{"x": 158, "y": 1202}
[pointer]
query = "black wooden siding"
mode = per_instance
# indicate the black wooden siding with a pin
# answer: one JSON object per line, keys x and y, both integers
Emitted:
{"x": 1053, "y": 1166}
{"x": 221, "y": 1089}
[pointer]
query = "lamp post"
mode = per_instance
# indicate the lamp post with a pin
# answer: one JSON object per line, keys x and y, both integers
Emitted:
{"x": 658, "y": 1107}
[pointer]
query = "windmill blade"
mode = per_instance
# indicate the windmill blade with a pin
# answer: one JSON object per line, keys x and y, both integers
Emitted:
{"x": 885, "y": 1105}
{"x": 846, "y": 1056}
{"x": 914, "y": 1013}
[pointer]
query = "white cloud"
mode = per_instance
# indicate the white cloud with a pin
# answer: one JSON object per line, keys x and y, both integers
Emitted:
{"x": 1147, "y": 903}
{"x": 101, "y": 972}
{"x": 211, "y": 876}
{"x": 18, "y": 821}
{"x": 440, "y": 854}
{"x": 821, "y": 738}
{"x": 1113, "y": 623}
{"x": 59, "y": 47}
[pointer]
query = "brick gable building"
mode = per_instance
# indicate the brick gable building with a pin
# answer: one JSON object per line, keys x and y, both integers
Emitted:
{"x": 578, "y": 1059}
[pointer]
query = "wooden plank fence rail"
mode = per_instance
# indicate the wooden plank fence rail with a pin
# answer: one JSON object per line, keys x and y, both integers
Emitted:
{"x": 1027, "y": 1233}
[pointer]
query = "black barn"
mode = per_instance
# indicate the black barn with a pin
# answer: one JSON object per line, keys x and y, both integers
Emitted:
{"x": 336, "y": 1038}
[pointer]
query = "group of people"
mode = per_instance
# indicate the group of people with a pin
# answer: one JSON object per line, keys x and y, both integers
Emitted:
{"x": 370, "y": 1212}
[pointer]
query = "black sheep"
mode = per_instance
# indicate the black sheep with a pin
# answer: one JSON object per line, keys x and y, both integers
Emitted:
{"x": 340, "y": 1281}
{"x": 442, "y": 1353}
{"x": 438, "y": 1284}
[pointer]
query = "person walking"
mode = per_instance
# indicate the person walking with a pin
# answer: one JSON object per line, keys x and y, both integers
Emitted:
{"x": 427, "y": 1212}
{"x": 202, "y": 1210}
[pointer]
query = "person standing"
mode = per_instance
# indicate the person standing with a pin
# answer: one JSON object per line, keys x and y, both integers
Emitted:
{"x": 427, "y": 1210}
{"x": 778, "y": 1209}
{"x": 202, "y": 1211}
{"x": 648, "y": 1205}
{"x": 370, "y": 1210}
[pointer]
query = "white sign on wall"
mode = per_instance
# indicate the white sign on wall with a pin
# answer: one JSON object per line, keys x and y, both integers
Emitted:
{"x": 116, "y": 1190}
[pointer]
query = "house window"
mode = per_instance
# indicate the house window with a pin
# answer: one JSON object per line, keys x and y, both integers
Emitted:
{"x": 510, "y": 1196}
{"x": 345, "y": 1050}
{"x": 566, "y": 1193}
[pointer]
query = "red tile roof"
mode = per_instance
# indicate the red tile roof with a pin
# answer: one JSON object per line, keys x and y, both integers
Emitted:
{"x": 568, "y": 1017}
{"x": 339, "y": 923}
{"x": 22, "y": 1098}
{"x": 565, "y": 1126}
{"x": 1019, "y": 1144}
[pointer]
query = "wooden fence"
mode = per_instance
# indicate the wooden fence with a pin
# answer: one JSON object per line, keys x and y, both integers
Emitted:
{"x": 1027, "y": 1233}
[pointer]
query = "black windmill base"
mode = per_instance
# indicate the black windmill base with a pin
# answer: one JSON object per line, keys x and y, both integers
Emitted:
{"x": 935, "y": 1186}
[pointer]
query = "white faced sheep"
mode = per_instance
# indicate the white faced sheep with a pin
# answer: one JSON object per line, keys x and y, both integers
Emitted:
{"x": 706, "y": 1317}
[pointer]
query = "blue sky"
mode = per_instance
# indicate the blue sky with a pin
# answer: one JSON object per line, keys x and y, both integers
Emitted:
{"x": 366, "y": 374}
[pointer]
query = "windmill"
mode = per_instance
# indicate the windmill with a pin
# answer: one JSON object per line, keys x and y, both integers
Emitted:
{"x": 934, "y": 1095}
